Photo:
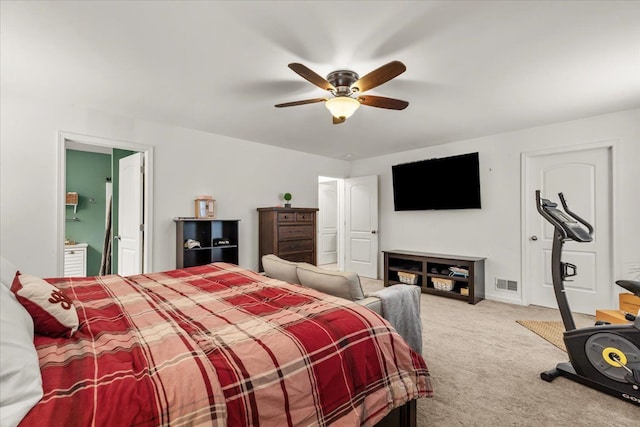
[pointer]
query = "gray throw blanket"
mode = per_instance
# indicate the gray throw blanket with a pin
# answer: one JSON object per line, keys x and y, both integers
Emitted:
{"x": 401, "y": 307}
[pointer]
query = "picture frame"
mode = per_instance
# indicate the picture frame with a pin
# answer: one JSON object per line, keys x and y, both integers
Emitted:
{"x": 204, "y": 208}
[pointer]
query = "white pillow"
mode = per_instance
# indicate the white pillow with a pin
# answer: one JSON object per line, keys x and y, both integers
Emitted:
{"x": 20, "y": 378}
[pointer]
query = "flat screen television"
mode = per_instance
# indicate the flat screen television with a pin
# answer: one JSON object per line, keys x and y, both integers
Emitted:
{"x": 442, "y": 183}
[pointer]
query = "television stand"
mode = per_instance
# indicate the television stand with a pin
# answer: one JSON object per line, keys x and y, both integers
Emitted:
{"x": 432, "y": 272}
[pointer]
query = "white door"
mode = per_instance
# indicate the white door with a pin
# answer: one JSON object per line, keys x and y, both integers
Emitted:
{"x": 585, "y": 179}
{"x": 130, "y": 215}
{"x": 328, "y": 222}
{"x": 361, "y": 214}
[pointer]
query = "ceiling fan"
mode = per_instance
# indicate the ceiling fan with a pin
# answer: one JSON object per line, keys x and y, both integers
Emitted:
{"x": 345, "y": 85}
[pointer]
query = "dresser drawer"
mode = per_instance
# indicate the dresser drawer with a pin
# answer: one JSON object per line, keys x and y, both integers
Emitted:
{"x": 299, "y": 257}
{"x": 291, "y": 232}
{"x": 286, "y": 217}
{"x": 287, "y": 246}
{"x": 304, "y": 216}
{"x": 295, "y": 217}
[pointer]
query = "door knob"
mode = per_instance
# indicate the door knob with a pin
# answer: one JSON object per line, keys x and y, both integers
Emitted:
{"x": 534, "y": 238}
{"x": 117, "y": 237}
{"x": 374, "y": 231}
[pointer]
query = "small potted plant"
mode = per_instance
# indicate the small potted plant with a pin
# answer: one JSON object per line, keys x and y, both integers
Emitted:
{"x": 287, "y": 199}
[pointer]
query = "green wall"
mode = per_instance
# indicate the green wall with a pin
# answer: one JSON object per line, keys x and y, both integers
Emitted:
{"x": 86, "y": 174}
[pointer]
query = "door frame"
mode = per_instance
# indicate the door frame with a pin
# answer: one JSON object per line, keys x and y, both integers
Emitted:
{"x": 63, "y": 138}
{"x": 527, "y": 204}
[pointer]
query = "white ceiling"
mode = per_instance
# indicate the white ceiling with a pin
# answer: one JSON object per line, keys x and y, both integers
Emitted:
{"x": 473, "y": 67}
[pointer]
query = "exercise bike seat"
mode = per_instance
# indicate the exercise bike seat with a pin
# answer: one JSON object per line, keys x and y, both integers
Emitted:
{"x": 632, "y": 286}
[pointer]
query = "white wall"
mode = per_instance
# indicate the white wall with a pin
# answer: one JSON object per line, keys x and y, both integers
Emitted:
{"x": 241, "y": 175}
{"x": 494, "y": 231}
{"x": 244, "y": 175}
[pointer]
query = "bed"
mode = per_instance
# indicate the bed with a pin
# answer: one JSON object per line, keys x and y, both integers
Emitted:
{"x": 219, "y": 345}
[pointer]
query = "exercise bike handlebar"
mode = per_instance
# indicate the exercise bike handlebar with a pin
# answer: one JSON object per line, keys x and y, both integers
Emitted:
{"x": 540, "y": 202}
{"x": 574, "y": 215}
{"x": 566, "y": 223}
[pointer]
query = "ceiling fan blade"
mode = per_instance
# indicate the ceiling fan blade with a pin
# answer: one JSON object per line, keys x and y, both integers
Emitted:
{"x": 379, "y": 76}
{"x": 306, "y": 101}
{"x": 311, "y": 76}
{"x": 338, "y": 120}
{"x": 382, "y": 102}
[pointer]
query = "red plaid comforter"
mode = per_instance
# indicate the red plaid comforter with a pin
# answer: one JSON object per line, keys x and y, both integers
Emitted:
{"x": 218, "y": 345}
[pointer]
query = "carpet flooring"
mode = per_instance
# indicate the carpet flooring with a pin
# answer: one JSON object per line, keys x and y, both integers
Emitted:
{"x": 485, "y": 369}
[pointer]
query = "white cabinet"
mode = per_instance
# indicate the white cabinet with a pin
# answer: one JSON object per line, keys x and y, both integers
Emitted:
{"x": 75, "y": 260}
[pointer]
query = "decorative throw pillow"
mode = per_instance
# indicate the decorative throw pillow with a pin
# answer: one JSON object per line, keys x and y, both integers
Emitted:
{"x": 52, "y": 311}
{"x": 343, "y": 284}
{"x": 280, "y": 269}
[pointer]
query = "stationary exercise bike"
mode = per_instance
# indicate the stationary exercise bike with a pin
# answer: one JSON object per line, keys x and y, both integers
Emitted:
{"x": 604, "y": 357}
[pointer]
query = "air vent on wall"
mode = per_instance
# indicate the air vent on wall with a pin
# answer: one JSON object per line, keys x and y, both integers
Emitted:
{"x": 507, "y": 285}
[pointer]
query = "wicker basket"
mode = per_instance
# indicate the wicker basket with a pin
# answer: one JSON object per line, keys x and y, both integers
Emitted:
{"x": 72, "y": 198}
{"x": 408, "y": 278}
{"x": 442, "y": 284}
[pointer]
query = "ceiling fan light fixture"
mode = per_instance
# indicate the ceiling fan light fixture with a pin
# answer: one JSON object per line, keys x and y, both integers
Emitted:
{"x": 342, "y": 106}
{"x": 345, "y": 84}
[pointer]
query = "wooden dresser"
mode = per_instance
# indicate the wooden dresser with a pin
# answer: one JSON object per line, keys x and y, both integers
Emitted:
{"x": 289, "y": 233}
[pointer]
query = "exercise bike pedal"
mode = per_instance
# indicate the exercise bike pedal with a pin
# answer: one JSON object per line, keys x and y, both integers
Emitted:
{"x": 633, "y": 377}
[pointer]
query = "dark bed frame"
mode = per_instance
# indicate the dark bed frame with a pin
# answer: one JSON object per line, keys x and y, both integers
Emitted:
{"x": 403, "y": 416}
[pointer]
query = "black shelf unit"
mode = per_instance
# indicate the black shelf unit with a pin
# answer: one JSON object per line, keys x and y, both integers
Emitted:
{"x": 423, "y": 264}
{"x": 206, "y": 231}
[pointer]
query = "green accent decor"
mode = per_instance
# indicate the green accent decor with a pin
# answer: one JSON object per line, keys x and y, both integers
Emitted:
{"x": 86, "y": 175}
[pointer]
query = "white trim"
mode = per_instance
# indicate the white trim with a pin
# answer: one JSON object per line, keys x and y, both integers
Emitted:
{"x": 499, "y": 297}
{"x": 527, "y": 200}
{"x": 73, "y": 145}
{"x": 341, "y": 224}
{"x": 73, "y": 138}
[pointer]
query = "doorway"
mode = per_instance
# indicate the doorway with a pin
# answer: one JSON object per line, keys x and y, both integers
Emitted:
{"x": 88, "y": 180}
{"x": 66, "y": 215}
{"x": 348, "y": 224}
{"x": 585, "y": 177}
{"x": 329, "y": 222}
